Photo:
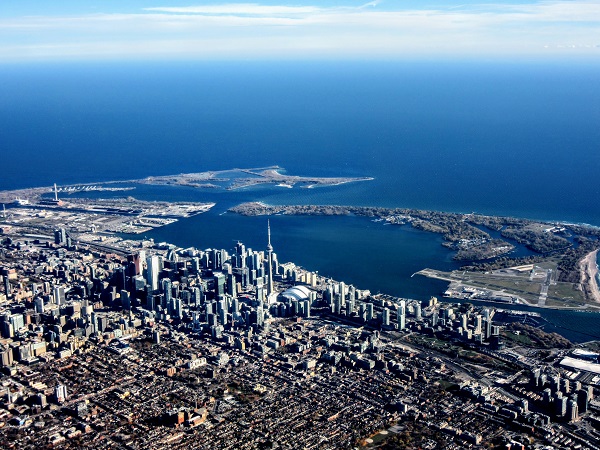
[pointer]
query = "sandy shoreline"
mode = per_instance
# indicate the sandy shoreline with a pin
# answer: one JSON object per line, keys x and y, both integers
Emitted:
{"x": 589, "y": 270}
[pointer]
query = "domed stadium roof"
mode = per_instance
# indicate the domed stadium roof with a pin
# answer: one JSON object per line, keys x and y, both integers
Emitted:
{"x": 297, "y": 293}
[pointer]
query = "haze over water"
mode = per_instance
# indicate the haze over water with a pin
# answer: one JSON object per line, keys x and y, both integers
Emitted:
{"x": 495, "y": 138}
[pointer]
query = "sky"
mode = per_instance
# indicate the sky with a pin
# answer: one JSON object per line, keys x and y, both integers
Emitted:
{"x": 42, "y": 30}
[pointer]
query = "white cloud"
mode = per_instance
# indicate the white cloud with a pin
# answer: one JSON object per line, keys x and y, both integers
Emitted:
{"x": 237, "y": 8}
{"x": 253, "y": 30}
{"x": 256, "y": 9}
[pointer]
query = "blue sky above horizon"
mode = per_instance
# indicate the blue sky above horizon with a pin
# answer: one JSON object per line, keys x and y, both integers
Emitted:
{"x": 39, "y": 30}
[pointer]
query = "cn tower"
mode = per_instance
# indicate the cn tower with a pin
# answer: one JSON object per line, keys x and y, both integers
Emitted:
{"x": 269, "y": 260}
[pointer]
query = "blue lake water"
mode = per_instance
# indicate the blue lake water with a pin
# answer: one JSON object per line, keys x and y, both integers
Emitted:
{"x": 503, "y": 139}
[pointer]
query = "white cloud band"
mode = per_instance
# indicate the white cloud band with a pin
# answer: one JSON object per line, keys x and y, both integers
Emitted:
{"x": 252, "y": 30}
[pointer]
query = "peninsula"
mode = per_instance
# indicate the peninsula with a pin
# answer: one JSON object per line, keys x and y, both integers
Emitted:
{"x": 230, "y": 179}
{"x": 225, "y": 179}
{"x": 243, "y": 178}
